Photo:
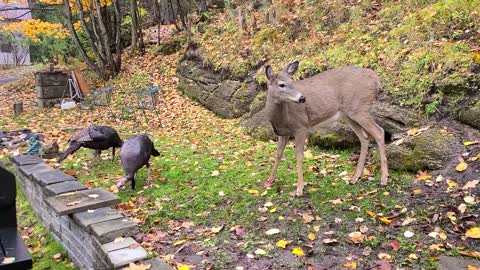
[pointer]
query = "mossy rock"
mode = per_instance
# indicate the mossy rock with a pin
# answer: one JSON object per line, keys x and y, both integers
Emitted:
{"x": 170, "y": 47}
{"x": 471, "y": 115}
{"x": 426, "y": 151}
{"x": 339, "y": 134}
{"x": 265, "y": 35}
{"x": 258, "y": 126}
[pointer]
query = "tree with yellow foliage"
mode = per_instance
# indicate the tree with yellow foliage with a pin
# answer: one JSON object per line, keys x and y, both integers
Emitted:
{"x": 99, "y": 20}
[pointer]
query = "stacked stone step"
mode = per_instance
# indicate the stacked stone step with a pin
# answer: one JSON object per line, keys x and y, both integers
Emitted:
{"x": 94, "y": 235}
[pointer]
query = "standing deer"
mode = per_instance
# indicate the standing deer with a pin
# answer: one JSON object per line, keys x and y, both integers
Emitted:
{"x": 295, "y": 106}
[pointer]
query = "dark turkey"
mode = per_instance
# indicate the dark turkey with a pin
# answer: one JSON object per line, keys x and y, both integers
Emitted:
{"x": 135, "y": 153}
{"x": 94, "y": 137}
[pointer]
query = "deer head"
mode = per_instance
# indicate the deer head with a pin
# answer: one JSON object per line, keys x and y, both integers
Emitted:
{"x": 280, "y": 86}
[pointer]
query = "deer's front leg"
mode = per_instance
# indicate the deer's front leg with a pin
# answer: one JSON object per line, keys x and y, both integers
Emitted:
{"x": 282, "y": 142}
{"x": 299, "y": 147}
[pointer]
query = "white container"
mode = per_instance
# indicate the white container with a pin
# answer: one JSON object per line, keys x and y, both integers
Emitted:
{"x": 68, "y": 105}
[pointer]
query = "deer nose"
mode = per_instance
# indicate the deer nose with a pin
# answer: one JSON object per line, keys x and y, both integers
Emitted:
{"x": 302, "y": 99}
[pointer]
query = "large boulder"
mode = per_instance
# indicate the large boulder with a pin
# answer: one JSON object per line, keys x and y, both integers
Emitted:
{"x": 471, "y": 114}
{"x": 393, "y": 119}
{"x": 428, "y": 150}
{"x": 218, "y": 91}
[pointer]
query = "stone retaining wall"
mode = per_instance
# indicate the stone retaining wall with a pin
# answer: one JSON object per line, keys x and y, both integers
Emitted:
{"x": 94, "y": 235}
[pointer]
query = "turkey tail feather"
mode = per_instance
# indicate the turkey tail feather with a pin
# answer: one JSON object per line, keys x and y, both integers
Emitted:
{"x": 73, "y": 147}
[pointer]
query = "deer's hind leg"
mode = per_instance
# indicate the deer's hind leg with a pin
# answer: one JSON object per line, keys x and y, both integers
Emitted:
{"x": 363, "y": 137}
{"x": 368, "y": 124}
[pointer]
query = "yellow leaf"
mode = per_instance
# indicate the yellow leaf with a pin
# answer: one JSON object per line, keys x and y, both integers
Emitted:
{"x": 184, "y": 267}
{"x": 413, "y": 256}
{"x": 386, "y": 220}
{"x": 371, "y": 213}
{"x": 311, "y": 236}
{"x": 471, "y": 267}
{"x": 473, "y": 232}
{"x": 476, "y": 57}
{"x": 351, "y": 265}
{"x": 469, "y": 143}
{"x": 282, "y": 243}
{"x": 462, "y": 166}
{"x": 412, "y": 132}
{"x": 417, "y": 191}
{"x": 273, "y": 210}
{"x": 451, "y": 183}
{"x": 297, "y": 251}
{"x": 253, "y": 191}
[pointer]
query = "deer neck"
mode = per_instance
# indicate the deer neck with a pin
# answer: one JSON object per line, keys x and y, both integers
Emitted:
{"x": 277, "y": 114}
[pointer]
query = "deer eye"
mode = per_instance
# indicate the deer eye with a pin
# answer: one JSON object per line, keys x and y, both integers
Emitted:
{"x": 282, "y": 85}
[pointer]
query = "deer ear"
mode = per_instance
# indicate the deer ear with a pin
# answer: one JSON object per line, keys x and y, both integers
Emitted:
{"x": 269, "y": 72}
{"x": 292, "y": 67}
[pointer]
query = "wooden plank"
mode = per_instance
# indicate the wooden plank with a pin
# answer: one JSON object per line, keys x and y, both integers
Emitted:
{"x": 81, "y": 82}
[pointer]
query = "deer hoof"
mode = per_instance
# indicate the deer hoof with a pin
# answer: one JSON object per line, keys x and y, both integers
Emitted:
{"x": 269, "y": 182}
{"x": 384, "y": 181}
{"x": 299, "y": 193}
{"x": 354, "y": 180}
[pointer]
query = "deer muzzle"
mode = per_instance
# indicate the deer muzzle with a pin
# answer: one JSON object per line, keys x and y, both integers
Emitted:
{"x": 302, "y": 99}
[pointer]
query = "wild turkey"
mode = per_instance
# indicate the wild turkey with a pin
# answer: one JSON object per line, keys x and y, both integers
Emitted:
{"x": 135, "y": 153}
{"x": 94, "y": 137}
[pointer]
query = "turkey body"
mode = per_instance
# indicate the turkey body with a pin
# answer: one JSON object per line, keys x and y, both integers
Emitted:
{"x": 135, "y": 154}
{"x": 94, "y": 137}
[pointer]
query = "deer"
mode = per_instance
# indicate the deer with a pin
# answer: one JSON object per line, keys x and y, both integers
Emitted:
{"x": 294, "y": 106}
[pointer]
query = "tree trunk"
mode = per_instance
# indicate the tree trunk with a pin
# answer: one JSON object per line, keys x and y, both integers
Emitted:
{"x": 133, "y": 15}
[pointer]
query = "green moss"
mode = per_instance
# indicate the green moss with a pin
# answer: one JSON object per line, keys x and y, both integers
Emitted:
{"x": 264, "y": 36}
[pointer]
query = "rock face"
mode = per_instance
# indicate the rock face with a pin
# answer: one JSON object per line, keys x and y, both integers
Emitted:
{"x": 218, "y": 91}
{"x": 426, "y": 151}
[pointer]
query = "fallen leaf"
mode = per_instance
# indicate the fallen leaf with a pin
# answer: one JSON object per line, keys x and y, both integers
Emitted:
{"x": 297, "y": 251}
{"x": 471, "y": 267}
{"x": 471, "y": 184}
{"x": 386, "y": 220}
{"x": 395, "y": 245}
{"x": 473, "y": 232}
{"x": 272, "y": 231}
{"x": 215, "y": 173}
{"x": 408, "y": 234}
{"x": 417, "y": 191}
{"x": 217, "y": 229}
{"x": 467, "y": 143}
{"x": 94, "y": 196}
{"x": 408, "y": 220}
{"x": 384, "y": 256}
{"x": 462, "y": 208}
{"x": 282, "y": 243}
{"x": 356, "y": 237}
{"x": 184, "y": 267}
{"x": 57, "y": 256}
{"x": 462, "y": 166}
{"x": 413, "y": 256}
{"x": 371, "y": 213}
{"x": 469, "y": 199}
{"x": 260, "y": 251}
{"x": 412, "y": 131}
{"x": 253, "y": 191}
{"x": 473, "y": 254}
{"x": 118, "y": 240}
{"x": 307, "y": 218}
{"x": 179, "y": 242}
{"x": 451, "y": 183}
{"x": 73, "y": 203}
{"x": 329, "y": 241}
{"x": 311, "y": 236}
{"x": 351, "y": 265}
{"x": 8, "y": 260}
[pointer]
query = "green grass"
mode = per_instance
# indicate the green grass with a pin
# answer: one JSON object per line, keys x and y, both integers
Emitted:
{"x": 185, "y": 189}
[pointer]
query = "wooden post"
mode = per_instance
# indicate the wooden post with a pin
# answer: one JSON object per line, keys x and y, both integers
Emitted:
{"x": 18, "y": 107}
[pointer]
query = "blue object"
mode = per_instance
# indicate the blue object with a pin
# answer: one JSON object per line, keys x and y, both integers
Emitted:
{"x": 34, "y": 145}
